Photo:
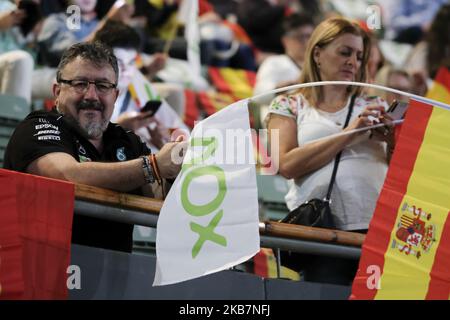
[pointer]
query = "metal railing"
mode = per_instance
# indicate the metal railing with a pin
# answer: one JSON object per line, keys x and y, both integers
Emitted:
{"x": 130, "y": 209}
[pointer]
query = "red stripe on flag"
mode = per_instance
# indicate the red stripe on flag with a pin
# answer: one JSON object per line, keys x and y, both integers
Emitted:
{"x": 439, "y": 287}
{"x": 443, "y": 77}
{"x": 207, "y": 103}
{"x": 218, "y": 80}
{"x": 220, "y": 83}
{"x": 261, "y": 267}
{"x": 11, "y": 273}
{"x": 394, "y": 189}
{"x": 44, "y": 210}
{"x": 191, "y": 113}
{"x": 251, "y": 77}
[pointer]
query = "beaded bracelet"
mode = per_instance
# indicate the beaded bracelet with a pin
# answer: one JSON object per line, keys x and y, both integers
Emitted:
{"x": 148, "y": 170}
{"x": 158, "y": 175}
{"x": 156, "y": 168}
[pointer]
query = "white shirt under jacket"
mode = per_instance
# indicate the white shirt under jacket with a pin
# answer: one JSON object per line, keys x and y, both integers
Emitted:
{"x": 275, "y": 70}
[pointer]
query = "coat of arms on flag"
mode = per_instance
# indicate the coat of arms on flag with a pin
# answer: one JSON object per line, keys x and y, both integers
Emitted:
{"x": 415, "y": 233}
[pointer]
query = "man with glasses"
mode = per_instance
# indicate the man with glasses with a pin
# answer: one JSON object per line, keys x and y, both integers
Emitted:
{"x": 282, "y": 70}
{"x": 76, "y": 142}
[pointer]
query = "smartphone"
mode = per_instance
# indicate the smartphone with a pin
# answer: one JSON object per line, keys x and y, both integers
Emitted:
{"x": 151, "y": 106}
{"x": 397, "y": 110}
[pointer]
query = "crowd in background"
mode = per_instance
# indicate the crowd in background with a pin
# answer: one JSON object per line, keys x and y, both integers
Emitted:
{"x": 409, "y": 38}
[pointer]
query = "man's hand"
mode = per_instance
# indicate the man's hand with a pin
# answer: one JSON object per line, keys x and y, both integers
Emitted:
{"x": 170, "y": 158}
{"x": 11, "y": 18}
{"x": 157, "y": 64}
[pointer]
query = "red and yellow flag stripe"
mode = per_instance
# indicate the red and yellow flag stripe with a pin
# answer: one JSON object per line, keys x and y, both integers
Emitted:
{"x": 212, "y": 102}
{"x": 408, "y": 240}
{"x": 238, "y": 82}
{"x": 265, "y": 265}
{"x": 440, "y": 90}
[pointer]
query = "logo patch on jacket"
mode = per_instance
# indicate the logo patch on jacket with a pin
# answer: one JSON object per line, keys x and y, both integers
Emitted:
{"x": 121, "y": 154}
{"x": 82, "y": 154}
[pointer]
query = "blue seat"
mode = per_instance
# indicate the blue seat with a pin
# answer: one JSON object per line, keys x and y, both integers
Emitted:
{"x": 144, "y": 240}
{"x": 271, "y": 193}
{"x": 12, "y": 111}
{"x": 13, "y": 108}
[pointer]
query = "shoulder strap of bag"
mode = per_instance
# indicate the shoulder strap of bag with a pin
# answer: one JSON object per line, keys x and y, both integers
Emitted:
{"x": 338, "y": 156}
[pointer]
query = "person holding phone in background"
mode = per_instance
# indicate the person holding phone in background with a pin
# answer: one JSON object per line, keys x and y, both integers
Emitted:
{"x": 155, "y": 120}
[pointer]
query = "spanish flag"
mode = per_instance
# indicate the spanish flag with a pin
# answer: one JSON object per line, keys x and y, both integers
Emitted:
{"x": 265, "y": 265}
{"x": 237, "y": 82}
{"x": 406, "y": 254}
{"x": 440, "y": 90}
{"x": 35, "y": 233}
{"x": 212, "y": 102}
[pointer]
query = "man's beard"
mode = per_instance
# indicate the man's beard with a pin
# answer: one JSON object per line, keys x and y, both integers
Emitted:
{"x": 94, "y": 130}
{"x": 91, "y": 129}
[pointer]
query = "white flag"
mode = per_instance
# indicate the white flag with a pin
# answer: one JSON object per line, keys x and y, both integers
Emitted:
{"x": 188, "y": 15}
{"x": 209, "y": 220}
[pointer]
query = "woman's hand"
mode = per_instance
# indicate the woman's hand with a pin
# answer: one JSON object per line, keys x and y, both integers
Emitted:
{"x": 385, "y": 133}
{"x": 371, "y": 115}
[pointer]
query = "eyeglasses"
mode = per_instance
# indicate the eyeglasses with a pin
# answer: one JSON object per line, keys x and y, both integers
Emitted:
{"x": 81, "y": 86}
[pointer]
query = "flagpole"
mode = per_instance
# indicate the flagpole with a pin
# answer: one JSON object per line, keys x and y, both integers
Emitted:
{"x": 345, "y": 133}
{"x": 435, "y": 103}
{"x": 169, "y": 41}
{"x": 358, "y": 84}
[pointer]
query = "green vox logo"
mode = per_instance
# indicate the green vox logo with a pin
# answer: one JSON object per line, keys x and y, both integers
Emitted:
{"x": 194, "y": 170}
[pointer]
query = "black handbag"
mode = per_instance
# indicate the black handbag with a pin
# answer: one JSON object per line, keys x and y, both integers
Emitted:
{"x": 316, "y": 212}
{"x": 313, "y": 213}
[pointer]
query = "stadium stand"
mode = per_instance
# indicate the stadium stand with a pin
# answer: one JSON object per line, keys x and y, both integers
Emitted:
{"x": 271, "y": 192}
{"x": 12, "y": 111}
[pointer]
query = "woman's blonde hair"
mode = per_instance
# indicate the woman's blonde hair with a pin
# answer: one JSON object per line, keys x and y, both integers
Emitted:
{"x": 323, "y": 35}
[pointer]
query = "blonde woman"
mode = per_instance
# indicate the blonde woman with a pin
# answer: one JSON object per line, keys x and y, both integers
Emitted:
{"x": 337, "y": 50}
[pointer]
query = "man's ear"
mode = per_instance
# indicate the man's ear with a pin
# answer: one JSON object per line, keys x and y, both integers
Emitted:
{"x": 56, "y": 89}
{"x": 116, "y": 92}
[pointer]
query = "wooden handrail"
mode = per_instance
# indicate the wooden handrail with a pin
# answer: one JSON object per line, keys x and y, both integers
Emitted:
{"x": 116, "y": 199}
{"x": 314, "y": 234}
{"x": 133, "y": 202}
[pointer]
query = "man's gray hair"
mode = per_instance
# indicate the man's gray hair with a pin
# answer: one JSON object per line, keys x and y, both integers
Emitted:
{"x": 96, "y": 52}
